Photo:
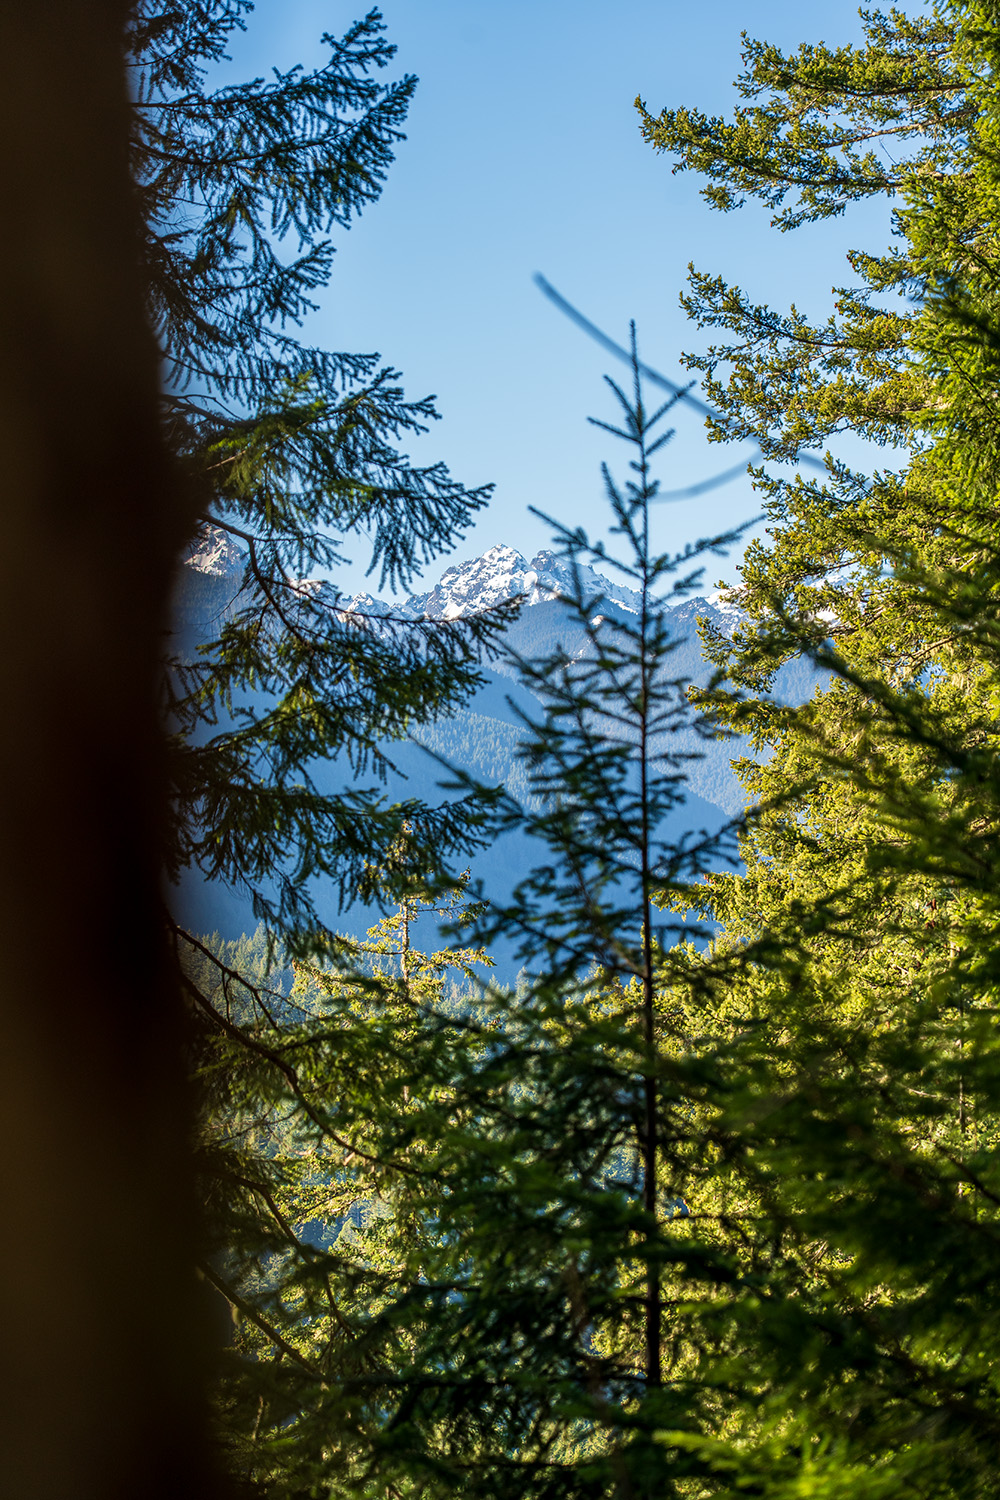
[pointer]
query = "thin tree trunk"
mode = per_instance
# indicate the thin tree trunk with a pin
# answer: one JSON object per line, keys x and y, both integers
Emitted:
{"x": 653, "y": 1309}
{"x": 650, "y": 1130}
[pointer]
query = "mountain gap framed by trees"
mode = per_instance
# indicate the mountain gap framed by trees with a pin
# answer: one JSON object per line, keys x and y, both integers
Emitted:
{"x": 647, "y": 1225}
{"x": 706, "y": 1203}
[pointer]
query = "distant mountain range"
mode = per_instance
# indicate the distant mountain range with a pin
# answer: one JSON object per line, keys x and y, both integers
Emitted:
{"x": 216, "y": 558}
{"x": 482, "y": 738}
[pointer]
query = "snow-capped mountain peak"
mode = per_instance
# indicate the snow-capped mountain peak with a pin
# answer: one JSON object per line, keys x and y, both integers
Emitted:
{"x": 501, "y": 573}
{"x": 215, "y": 552}
{"x": 554, "y": 576}
{"x": 474, "y": 585}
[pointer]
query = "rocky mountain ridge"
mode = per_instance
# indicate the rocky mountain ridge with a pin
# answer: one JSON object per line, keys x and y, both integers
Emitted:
{"x": 500, "y": 573}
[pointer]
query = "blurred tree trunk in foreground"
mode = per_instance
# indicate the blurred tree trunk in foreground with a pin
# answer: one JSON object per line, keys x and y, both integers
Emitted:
{"x": 98, "y": 1321}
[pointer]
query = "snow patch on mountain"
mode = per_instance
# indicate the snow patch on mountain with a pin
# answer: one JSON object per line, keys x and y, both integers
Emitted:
{"x": 726, "y": 601}
{"x": 555, "y": 576}
{"x": 215, "y": 552}
{"x": 366, "y": 606}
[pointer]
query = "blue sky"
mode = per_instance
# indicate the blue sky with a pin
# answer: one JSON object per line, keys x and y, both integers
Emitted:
{"x": 523, "y": 154}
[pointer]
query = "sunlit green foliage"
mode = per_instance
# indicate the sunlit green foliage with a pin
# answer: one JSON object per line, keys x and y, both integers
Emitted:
{"x": 860, "y": 1096}
{"x": 327, "y": 1106}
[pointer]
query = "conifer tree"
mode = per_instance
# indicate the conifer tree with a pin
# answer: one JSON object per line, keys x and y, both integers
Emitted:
{"x": 292, "y": 450}
{"x": 546, "y": 1356}
{"x": 860, "y": 1097}
{"x": 329, "y": 1098}
{"x": 670, "y": 1221}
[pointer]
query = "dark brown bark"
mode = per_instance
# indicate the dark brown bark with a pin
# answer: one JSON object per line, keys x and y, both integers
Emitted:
{"x": 98, "y": 1305}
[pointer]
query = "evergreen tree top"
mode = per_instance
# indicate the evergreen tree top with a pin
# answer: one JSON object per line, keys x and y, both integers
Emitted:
{"x": 227, "y": 175}
{"x": 816, "y": 120}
